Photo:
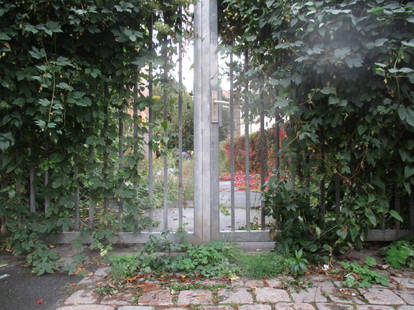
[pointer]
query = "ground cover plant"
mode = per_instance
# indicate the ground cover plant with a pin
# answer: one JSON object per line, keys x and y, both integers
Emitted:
{"x": 356, "y": 275}
{"x": 399, "y": 254}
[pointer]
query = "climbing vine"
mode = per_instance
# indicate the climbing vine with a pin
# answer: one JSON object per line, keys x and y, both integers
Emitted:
{"x": 71, "y": 74}
{"x": 341, "y": 74}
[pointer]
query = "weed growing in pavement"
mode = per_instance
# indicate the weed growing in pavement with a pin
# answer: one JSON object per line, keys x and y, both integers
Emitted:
{"x": 362, "y": 275}
{"x": 260, "y": 266}
{"x": 400, "y": 253}
{"x": 106, "y": 290}
{"x": 178, "y": 287}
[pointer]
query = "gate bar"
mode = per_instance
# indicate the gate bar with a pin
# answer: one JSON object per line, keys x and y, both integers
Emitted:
{"x": 246, "y": 140}
{"x": 262, "y": 158}
{"x": 206, "y": 150}
{"x": 233, "y": 220}
{"x": 180, "y": 130}
{"x": 150, "y": 161}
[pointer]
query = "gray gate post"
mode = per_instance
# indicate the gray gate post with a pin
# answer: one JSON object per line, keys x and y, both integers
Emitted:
{"x": 206, "y": 154}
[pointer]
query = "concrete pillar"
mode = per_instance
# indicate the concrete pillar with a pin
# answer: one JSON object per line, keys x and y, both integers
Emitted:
{"x": 206, "y": 146}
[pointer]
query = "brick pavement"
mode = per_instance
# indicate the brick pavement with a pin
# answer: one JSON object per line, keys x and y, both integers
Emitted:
{"x": 244, "y": 294}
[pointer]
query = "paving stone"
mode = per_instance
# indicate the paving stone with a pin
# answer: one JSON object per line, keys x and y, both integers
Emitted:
{"x": 235, "y": 296}
{"x": 255, "y": 283}
{"x": 122, "y": 300}
{"x": 238, "y": 282}
{"x": 212, "y": 308}
{"x": 324, "y": 284}
{"x": 81, "y": 297}
{"x": 294, "y": 306}
{"x": 102, "y": 272}
{"x": 408, "y": 296}
{"x": 194, "y": 297}
{"x": 255, "y": 307}
{"x": 406, "y": 308}
{"x": 211, "y": 282}
{"x": 86, "y": 307}
{"x": 276, "y": 283}
{"x": 136, "y": 308}
{"x": 268, "y": 294}
{"x": 380, "y": 296}
{"x": 337, "y": 296}
{"x": 317, "y": 278}
{"x": 374, "y": 307}
{"x": 334, "y": 307}
{"x": 407, "y": 282}
{"x": 156, "y": 298}
{"x": 89, "y": 281}
{"x": 313, "y": 294}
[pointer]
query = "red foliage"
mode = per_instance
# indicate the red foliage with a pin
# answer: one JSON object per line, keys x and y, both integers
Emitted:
{"x": 240, "y": 180}
{"x": 254, "y": 157}
{"x": 254, "y": 150}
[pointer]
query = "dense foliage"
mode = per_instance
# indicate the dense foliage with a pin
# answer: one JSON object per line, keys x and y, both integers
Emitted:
{"x": 72, "y": 77}
{"x": 343, "y": 72}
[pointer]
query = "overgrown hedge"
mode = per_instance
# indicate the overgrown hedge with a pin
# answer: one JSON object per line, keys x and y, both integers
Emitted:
{"x": 343, "y": 72}
{"x": 69, "y": 72}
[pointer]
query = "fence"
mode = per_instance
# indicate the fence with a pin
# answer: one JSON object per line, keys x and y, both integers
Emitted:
{"x": 207, "y": 213}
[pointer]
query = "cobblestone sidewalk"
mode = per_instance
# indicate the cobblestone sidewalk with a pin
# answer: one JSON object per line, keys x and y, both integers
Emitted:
{"x": 243, "y": 294}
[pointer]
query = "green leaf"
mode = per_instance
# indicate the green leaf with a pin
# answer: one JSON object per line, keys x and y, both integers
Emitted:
{"x": 341, "y": 53}
{"x": 395, "y": 215}
{"x": 371, "y": 216}
{"x": 408, "y": 171}
{"x": 4, "y": 36}
{"x": 370, "y": 261}
{"x": 361, "y": 129}
{"x": 63, "y": 61}
{"x": 65, "y": 86}
{"x": 408, "y": 43}
{"x": 328, "y": 91}
{"x": 44, "y": 102}
{"x": 354, "y": 62}
{"x": 342, "y": 233}
{"x": 380, "y": 42}
{"x": 40, "y": 123}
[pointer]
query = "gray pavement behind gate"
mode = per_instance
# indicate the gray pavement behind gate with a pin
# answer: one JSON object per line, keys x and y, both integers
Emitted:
{"x": 225, "y": 211}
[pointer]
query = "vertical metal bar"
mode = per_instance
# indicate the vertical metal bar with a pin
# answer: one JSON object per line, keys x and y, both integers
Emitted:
{"x": 214, "y": 219}
{"x": 46, "y": 185}
{"x": 322, "y": 191}
{"x": 135, "y": 132}
{"x": 76, "y": 194}
{"x": 337, "y": 198}
{"x": 411, "y": 205}
{"x": 165, "y": 115}
{"x": 246, "y": 139}
{"x": 308, "y": 177}
{"x": 263, "y": 170}
{"x": 397, "y": 204}
{"x": 180, "y": 130}
{"x": 91, "y": 208}
{"x": 121, "y": 165}
{"x": 277, "y": 137}
{"x": 150, "y": 161}
{"x": 107, "y": 142}
{"x": 32, "y": 189}
{"x": 233, "y": 215}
